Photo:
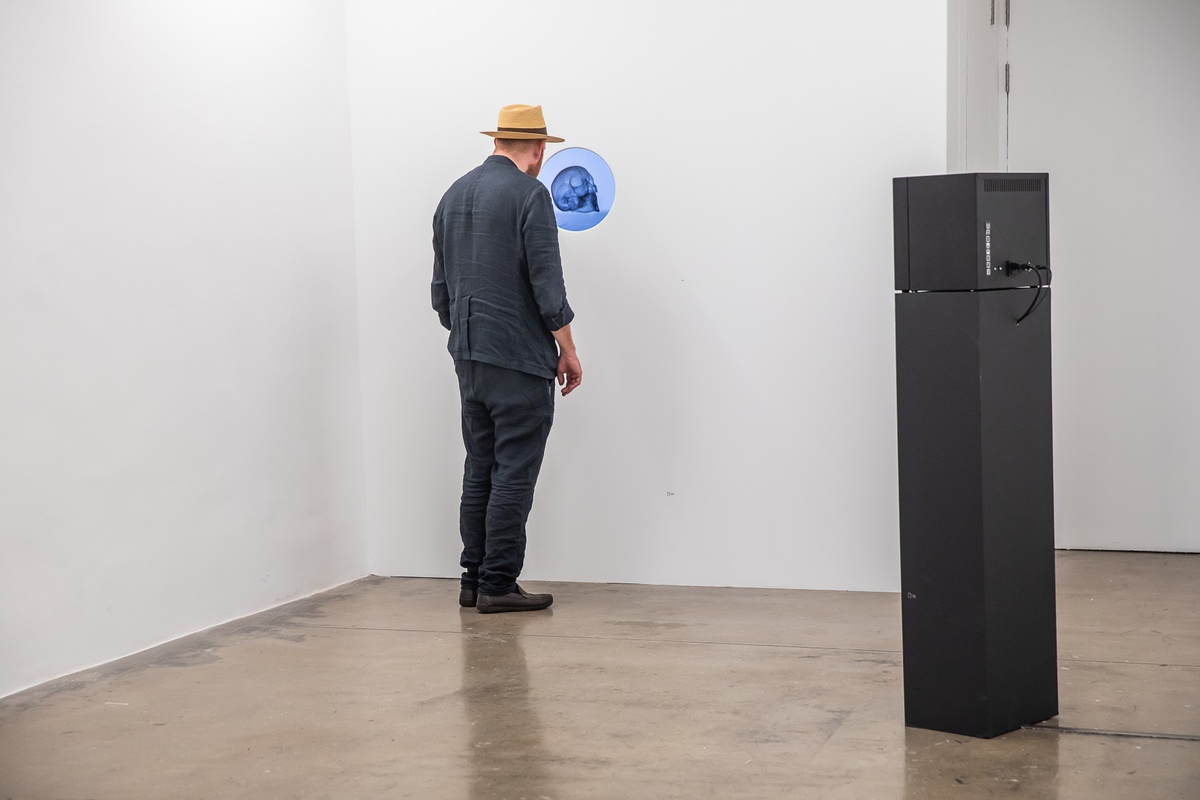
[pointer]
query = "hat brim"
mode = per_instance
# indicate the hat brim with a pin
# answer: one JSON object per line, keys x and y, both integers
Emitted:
{"x": 518, "y": 135}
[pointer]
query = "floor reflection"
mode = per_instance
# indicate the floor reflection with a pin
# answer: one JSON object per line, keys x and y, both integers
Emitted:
{"x": 940, "y": 765}
{"x": 507, "y": 748}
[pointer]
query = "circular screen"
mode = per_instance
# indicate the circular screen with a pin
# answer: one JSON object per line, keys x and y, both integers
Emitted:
{"x": 581, "y": 186}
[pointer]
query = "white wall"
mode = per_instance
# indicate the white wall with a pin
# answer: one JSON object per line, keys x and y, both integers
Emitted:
{"x": 736, "y": 424}
{"x": 179, "y": 398}
{"x": 1105, "y": 98}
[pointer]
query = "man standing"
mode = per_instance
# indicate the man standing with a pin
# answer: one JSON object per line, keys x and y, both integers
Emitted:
{"x": 498, "y": 288}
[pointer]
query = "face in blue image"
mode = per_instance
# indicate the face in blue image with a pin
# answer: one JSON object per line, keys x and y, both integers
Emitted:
{"x": 581, "y": 186}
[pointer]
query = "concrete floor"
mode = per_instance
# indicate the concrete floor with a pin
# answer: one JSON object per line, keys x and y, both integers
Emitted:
{"x": 385, "y": 688}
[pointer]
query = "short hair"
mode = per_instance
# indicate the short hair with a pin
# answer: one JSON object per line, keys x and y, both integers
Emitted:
{"x": 517, "y": 145}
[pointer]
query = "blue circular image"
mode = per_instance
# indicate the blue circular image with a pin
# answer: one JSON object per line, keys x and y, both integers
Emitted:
{"x": 581, "y": 186}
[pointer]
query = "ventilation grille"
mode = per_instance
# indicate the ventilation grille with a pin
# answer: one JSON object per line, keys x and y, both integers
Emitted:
{"x": 1012, "y": 184}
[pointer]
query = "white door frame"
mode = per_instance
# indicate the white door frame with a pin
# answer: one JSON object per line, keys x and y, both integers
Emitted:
{"x": 977, "y": 85}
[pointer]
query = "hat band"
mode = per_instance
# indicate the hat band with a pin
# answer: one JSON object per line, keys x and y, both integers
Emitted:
{"x": 523, "y": 130}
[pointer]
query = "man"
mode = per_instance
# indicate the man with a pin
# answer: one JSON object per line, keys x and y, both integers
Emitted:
{"x": 498, "y": 288}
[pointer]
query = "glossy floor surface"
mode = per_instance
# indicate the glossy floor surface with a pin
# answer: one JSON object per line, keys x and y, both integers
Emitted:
{"x": 385, "y": 688}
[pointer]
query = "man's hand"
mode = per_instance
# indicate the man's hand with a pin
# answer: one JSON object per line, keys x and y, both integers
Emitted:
{"x": 570, "y": 373}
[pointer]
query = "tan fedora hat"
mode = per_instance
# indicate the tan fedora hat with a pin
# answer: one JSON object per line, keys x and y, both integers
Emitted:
{"x": 521, "y": 122}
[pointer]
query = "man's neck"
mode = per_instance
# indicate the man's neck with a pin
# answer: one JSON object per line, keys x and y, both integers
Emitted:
{"x": 523, "y": 161}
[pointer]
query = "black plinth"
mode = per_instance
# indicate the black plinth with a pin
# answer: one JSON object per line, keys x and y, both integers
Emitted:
{"x": 976, "y": 510}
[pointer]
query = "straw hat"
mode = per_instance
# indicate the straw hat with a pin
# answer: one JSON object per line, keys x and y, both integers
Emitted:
{"x": 521, "y": 122}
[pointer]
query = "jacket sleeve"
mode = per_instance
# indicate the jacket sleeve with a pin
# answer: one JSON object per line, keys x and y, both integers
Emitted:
{"x": 441, "y": 296}
{"x": 540, "y": 235}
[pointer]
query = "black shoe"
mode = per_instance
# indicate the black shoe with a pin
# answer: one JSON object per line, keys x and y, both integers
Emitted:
{"x": 466, "y": 598}
{"x": 520, "y": 600}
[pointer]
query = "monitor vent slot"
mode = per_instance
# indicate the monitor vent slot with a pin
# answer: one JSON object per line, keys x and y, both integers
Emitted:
{"x": 1012, "y": 184}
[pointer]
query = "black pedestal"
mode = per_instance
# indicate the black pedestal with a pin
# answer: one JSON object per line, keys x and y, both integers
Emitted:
{"x": 976, "y": 510}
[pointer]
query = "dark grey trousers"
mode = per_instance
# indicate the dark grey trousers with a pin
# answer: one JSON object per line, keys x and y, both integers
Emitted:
{"x": 506, "y": 418}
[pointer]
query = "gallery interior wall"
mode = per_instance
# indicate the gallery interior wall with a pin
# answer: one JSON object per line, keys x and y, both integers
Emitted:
{"x": 180, "y": 314}
{"x": 179, "y": 389}
{"x": 1120, "y": 146}
{"x": 736, "y": 424}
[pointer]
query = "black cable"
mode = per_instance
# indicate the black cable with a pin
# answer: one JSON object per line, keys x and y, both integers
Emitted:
{"x": 1038, "y": 296}
{"x": 1184, "y": 737}
{"x": 1038, "y": 269}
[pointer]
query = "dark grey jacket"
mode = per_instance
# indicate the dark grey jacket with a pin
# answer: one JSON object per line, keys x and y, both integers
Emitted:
{"x": 497, "y": 274}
